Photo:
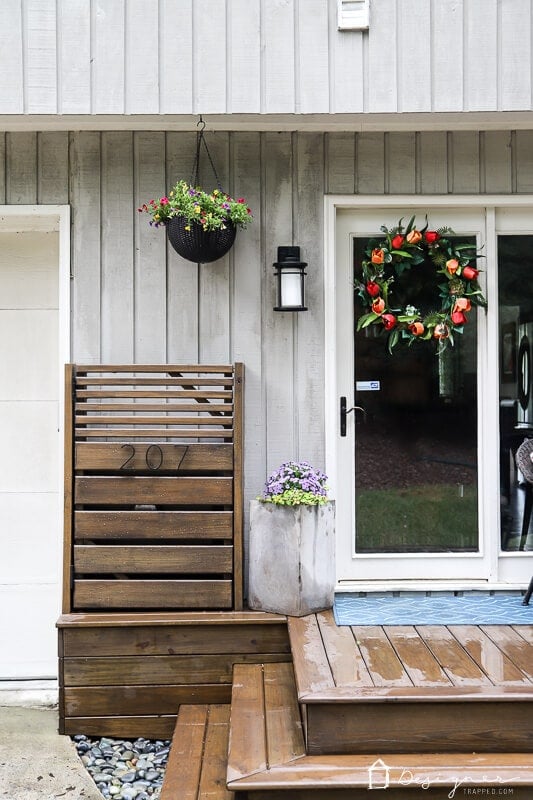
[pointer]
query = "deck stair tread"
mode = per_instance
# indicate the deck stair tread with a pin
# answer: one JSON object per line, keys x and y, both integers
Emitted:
{"x": 256, "y": 750}
{"x": 351, "y": 664}
{"x": 267, "y": 752}
{"x": 362, "y": 687}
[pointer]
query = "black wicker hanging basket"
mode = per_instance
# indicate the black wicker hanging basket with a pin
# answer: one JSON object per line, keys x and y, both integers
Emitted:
{"x": 190, "y": 240}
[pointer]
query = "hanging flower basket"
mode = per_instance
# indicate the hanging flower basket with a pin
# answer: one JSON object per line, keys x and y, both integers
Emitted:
{"x": 191, "y": 241}
{"x": 201, "y": 226}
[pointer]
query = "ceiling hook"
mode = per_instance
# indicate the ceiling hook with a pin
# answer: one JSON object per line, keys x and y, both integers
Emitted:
{"x": 202, "y": 123}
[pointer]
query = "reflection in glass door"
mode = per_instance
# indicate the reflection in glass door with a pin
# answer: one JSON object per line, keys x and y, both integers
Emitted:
{"x": 516, "y": 401}
{"x": 416, "y": 445}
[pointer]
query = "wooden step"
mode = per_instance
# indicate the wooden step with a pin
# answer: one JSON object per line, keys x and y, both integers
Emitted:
{"x": 400, "y": 689}
{"x": 267, "y": 757}
{"x": 196, "y": 768}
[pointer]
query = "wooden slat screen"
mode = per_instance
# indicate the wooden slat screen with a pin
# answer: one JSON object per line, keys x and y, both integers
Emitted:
{"x": 153, "y": 487}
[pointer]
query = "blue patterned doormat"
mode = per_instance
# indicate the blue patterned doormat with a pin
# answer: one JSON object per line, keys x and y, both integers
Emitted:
{"x": 468, "y": 609}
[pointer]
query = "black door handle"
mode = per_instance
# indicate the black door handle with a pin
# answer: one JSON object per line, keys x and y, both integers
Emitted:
{"x": 344, "y": 411}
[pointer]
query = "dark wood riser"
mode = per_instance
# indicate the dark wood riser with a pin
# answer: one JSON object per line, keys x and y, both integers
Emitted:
{"x": 419, "y": 727}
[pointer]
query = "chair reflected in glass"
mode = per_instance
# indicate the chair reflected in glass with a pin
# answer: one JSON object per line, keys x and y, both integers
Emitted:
{"x": 524, "y": 462}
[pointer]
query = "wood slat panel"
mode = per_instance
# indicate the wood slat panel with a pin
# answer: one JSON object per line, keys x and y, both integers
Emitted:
{"x": 93, "y": 559}
{"x": 140, "y": 525}
{"x": 159, "y": 670}
{"x": 96, "y": 701}
{"x": 152, "y": 594}
{"x": 176, "y": 639}
{"x": 85, "y": 407}
{"x": 170, "y": 394}
{"x": 86, "y": 620}
{"x": 165, "y": 420}
{"x": 192, "y": 457}
{"x": 157, "y": 491}
{"x": 126, "y": 727}
{"x": 135, "y": 381}
{"x": 157, "y": 433}
{"x": 224, "y": 369}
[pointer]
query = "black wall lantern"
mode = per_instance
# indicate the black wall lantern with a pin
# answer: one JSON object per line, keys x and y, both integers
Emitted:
{"x": 290, "y": 279}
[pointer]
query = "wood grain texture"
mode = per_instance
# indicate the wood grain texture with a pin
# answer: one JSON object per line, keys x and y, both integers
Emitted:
{"x": 153, "y": 525}
{"x": 110, "y": 457}
{"x": 162, "y": 559}
{"x": 159, "y": 670}
{"x": 125, "y": 727}
{"x": 144, "y": 593}
{"x": 97, "y": 701}
{"x": 157, "y": 491}
{"x": 247, "y": 751}
{"x": 176, "y": 638}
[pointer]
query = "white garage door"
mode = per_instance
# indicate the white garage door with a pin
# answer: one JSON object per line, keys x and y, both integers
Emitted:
{"x": 30, "y": 507}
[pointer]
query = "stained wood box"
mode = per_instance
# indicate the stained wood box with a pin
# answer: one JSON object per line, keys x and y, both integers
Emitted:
{"x": 126, "y": 674}
{"x": 153, "y": 487}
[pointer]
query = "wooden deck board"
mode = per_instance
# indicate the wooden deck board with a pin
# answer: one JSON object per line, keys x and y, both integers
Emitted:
{"x": 514, "y": 646}
{"x": 417, "y": 659}
{"x": 345, "y": 660}
{"x": 458, "y": 665}
{"x": 311, "y": 664}
{"x": 497, "y": 666}
{"x": 282, "y": 716}
{"x": 384, "y": 666}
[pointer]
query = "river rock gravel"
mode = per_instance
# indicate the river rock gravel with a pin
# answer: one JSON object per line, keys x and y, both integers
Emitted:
{"x": 125, "y": 769}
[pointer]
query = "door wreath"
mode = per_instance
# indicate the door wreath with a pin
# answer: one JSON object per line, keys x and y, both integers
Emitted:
{"x": 404, "y": 249}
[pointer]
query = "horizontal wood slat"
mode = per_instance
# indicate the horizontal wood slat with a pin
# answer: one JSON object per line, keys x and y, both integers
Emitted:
{"x": 158, "y": 491}
{"x": 170, "y": 394}
{"x": 130, "y": 727}
{"x": 221, "y": 408}
{"x": 154, "y": 433}
{"x": 175, "y": 636}
{"x": 153, "y": 559}
{"x": 83, "y": 369}
{"x": 120, "y": 457}
{"x": 134, "y": 381}
{"x": 147, "y": 699}
{"x": 155, "y": 525}
{"x": 141, "y": 593}
{"x": 167, "y": 420}
{"x": 158, "y": 670}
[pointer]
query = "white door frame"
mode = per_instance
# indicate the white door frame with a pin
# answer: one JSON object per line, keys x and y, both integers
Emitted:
{"x": 51, "y": 218}
{"x": 488, "y": 345}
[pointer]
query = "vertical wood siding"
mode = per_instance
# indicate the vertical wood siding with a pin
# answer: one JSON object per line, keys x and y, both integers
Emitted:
{"x": 135, "y": 299}
{"x": 263, "y": 56}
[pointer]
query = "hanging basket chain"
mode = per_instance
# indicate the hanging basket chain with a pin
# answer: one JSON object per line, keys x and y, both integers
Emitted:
{"x": 200, "y": 139}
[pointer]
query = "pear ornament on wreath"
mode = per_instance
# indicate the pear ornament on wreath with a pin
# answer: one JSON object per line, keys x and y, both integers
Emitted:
{"x": 398, "y": 252}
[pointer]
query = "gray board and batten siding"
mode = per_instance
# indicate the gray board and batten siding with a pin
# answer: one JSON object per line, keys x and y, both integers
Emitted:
{"x": 134, "y": 300}
{"x": 186, "y": 57}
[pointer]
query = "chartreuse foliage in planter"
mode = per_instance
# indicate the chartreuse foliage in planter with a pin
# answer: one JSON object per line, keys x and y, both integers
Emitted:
{"x": 296, "y": 483}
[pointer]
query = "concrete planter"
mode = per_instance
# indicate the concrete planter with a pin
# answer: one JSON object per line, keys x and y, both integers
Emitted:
{"x": 292, "y": 558}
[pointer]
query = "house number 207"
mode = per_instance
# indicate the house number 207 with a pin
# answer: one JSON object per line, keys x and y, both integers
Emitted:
{"x": 153, "y": 456}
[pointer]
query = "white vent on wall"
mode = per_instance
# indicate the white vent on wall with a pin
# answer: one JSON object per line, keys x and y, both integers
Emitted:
{"x": 353, "y": 14}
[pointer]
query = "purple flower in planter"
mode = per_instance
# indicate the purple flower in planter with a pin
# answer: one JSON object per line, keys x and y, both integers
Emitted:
{"x": 296, "y": 483}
